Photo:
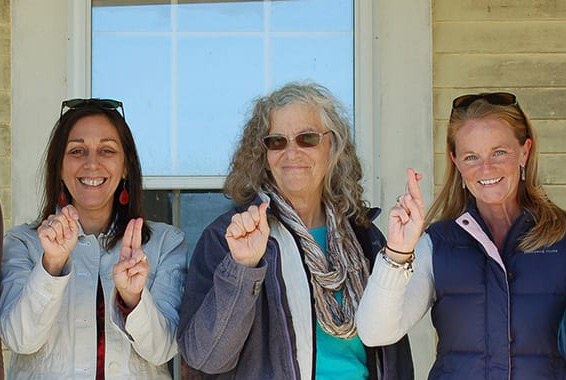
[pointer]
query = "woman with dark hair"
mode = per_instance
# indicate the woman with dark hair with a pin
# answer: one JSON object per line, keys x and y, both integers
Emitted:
{"x": 492, "y": 262}
{"x": 91, "y": 290}
{"x": 271, "y": 294}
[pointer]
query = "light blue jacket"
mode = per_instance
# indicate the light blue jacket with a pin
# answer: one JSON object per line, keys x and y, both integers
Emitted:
{"x": 49, "y": 322}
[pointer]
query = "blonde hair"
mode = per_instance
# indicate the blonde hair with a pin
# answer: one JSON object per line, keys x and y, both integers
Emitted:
{"x": 248, "y": 169}
{"x": 452, "y": 201}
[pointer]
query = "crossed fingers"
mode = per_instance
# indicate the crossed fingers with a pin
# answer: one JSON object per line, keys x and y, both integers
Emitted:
{"x": 60, "y": 227}
{"x": 410, "y": 204}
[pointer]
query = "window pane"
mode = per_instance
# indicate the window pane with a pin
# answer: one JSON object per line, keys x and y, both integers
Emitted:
{"x": 147, "y": 18}
{"x": 212, "y": 108}
{"x": 187, "y": 73}
{"x": 146, "y": 92}
{"x": 198, "y": 210}
{"x": 315, "y": 57}
{"x": 217, "y": 17}
{"x": 312, "y": 15}
{"x": 158, "y": 205}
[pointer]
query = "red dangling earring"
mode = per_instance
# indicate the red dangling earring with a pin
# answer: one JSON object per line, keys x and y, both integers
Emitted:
{"x": 124, "y": 197}
{"x": 62, "y": 199}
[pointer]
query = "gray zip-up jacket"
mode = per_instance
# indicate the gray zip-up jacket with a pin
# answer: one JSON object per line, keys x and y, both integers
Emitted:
{"x": 235, "y": 321}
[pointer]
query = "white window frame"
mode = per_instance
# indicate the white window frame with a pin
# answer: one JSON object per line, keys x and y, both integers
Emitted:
{"x": 392, "y": 60}
{"x": 79, "y": 85}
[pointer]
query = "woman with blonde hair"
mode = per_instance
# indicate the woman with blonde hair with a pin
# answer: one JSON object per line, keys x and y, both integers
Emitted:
{"x": 274, "y": 284}
{"x": 491, "y": 264}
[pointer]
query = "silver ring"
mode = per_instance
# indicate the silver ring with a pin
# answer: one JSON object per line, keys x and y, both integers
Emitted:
{"x": 50, "y": 223}
{"x": 398, "y": 201}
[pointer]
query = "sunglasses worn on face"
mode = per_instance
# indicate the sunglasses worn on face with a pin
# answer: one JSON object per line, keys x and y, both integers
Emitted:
{"x": 105, "y": 104}
{"x": 303, "y": 139}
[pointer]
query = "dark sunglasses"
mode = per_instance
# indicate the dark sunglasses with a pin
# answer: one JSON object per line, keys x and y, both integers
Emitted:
{"x": 105, "y": 104}
{"x": 303, "y": 139}
{"x": 494, "y": 98}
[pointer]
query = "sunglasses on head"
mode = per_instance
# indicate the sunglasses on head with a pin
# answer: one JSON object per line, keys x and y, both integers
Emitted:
{"x": 105, "y": 104}
{"x": 494, "y": 98}
{"x": 302, "y": 139}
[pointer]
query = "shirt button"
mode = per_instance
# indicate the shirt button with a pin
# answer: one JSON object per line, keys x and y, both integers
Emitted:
{"x": 466, "y": 222}
{"x": 510, "y": 276}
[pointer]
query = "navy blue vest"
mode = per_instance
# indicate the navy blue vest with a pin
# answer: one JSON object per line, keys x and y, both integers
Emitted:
{"x": 496, "y": 320}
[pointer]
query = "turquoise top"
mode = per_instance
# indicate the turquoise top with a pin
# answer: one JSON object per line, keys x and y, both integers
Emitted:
{"x": 343, "y": 359}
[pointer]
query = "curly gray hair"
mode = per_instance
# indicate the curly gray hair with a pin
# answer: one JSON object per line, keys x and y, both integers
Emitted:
{"x": 249, "y": 168}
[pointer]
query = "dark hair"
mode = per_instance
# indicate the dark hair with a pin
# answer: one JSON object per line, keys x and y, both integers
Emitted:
{"x": 53, "y": 163}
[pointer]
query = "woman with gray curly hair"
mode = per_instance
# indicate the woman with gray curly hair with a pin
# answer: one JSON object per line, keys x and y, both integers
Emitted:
{"x": 274, "y": 284}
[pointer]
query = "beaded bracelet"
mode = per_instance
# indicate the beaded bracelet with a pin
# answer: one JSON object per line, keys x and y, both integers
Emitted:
{"x": 407, "y": 267}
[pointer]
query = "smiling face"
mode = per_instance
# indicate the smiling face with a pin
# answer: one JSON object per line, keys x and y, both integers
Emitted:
{"x": 93, "y": 165}
{"x": 299, "y": 172}
{"x": 488, "y": 156}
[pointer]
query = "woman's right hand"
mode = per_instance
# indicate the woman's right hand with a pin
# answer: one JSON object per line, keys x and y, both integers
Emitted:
{"x": 247, "y": 235}
{"x": 406, "y": 219}
{"x": 58, "y": 235}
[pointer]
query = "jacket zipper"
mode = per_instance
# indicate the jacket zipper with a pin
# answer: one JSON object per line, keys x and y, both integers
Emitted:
{"x": 504, "y": 270}
{"x": 520, "y": 222}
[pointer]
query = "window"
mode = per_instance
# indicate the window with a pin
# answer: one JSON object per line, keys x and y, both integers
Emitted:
{"x": 187, "y": 71}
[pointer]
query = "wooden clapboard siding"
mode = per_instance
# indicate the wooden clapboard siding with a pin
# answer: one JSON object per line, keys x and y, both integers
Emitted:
{"x": 509, "y": 10}
{"x": 501, "y": 37}
{"x": 500, "y": 70}
{"x": 517, "y": 46}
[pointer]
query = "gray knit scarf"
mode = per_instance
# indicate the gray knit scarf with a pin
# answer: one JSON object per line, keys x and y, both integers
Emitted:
{"x": 343, "y": 268}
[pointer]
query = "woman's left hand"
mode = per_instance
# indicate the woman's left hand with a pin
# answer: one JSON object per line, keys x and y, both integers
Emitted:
{"x": 130, "y": 273}
{"x": 406, "y": 218}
